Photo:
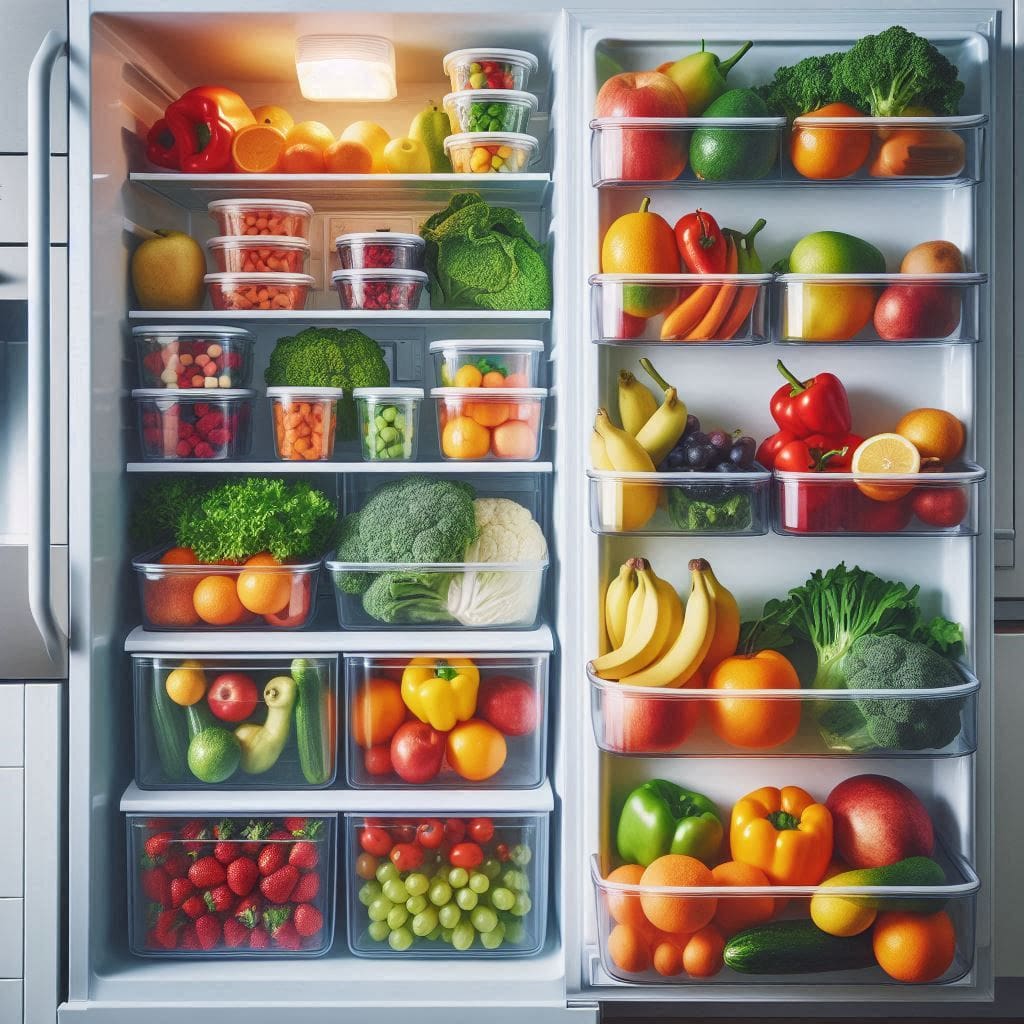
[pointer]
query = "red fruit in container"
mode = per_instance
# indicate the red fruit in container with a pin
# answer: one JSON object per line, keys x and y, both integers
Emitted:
{"x": 308, "y": 920}
{"x": 278, "y": 886}
{"x": 219, "y": 899}
{"x": 272, "y": 857}
{"x": 304, "y": 855}
{"x": 406, "y": 856}
{"x": 377, "y": 760}
{"x": 430, "y": 833}
{"x": 417, "y": 751}
{"x": 235, "y": 933}
{"x": 940, "y": 506}
{"x": 208, "y": 930}
{"x": 376, "y": 841}
{"x": 510, "y": 704}
{"x": 206, "y": 873}
{"x": 306, "y": 888}
{"x": 242, "y": 875}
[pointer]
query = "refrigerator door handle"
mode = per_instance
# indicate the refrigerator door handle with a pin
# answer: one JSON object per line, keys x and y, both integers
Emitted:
{"x": 40, "y": 599}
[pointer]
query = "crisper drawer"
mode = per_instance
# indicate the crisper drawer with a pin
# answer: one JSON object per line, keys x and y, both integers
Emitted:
{"x": 235, "y": 722}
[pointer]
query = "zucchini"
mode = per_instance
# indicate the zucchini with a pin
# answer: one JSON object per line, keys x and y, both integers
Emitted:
{"x": 795, "y": 947}
{"x": 199, "y": 717}
{"x": 309, "y": 722}
{"x": 170, "y": 731}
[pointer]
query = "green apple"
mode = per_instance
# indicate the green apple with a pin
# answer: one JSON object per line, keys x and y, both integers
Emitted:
{"x": 167, "y": 272}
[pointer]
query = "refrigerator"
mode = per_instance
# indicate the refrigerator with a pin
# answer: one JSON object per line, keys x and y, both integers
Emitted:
{"x": 129, "y": 60}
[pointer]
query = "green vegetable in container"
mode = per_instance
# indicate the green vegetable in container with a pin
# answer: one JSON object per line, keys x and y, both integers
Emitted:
{"x": 660, "y": 817}
{"x": 807, "y": 85}
{"x": 723, "y": 513}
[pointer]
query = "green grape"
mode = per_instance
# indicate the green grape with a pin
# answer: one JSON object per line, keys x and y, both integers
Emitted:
{"x": 446, "y": 935}
{"x": 368, "y": 892}
{"x": 417, "y": 884}
{"x": 521, "y": 854}
{"x": 463, "y": 935}
{"x": 491, "y": 868}
{"x": 378, "y": 930}
{"x": 494, "y": 938}
{"x": 513, "y": 880}
{"x": 515, "y": 931}
{"x": 400, "y": 940}
{"x": 466, "y": 899}
{"x": 379, "y": 909}
{"x": 522, "y": 905}
{"x": 386, "y": 871}
{"x": 503, "y": 899}
{"x": 416, "y": 904}
{"x": 435, "y": 934}
{"x": 484, "y": 919}
{"x": 479, "y": 883}
{"x": 425, "y": 922}
{"x": 449, "y": 916}
{"x": 440, "y": 894}
{"x": 397, "y": 917}
{"x": 458, "y": 877}
{"x": 394, "y": 890}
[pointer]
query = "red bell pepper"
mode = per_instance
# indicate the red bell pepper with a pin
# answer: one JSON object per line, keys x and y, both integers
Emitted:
{"x": 808, "y": 455}
{"x": 816, "y": 406}
{"x": 701, "y": 243}
{"x": 771, "y": 446}
{"x": 814, "y": 508}
{"x": 197, "y": 130}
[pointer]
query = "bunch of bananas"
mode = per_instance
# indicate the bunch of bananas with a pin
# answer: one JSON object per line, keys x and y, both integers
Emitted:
{"x": 653, "y": 640}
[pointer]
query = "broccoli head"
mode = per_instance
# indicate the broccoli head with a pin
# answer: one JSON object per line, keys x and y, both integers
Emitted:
{"x": 710, "y": 509}
{"x": 807, "y": 85}
{"x": 326, "y": 357}
{"x": 408, "y": 597}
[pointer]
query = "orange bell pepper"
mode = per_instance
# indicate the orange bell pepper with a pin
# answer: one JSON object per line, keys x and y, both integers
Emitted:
{"x": 784, "y": 833}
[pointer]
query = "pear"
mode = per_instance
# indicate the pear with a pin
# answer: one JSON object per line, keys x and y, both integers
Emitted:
{"x": 167, "y": 272}
{"x": 701, "y": 76}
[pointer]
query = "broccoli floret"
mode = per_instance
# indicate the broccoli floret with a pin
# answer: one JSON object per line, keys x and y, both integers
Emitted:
{"x": 326, "y": 357}
{"x": 728, "y": 514}
{"x": 897, "y": 69}
{"x": 806, "y": 86}
{"x": 408, "y": 597}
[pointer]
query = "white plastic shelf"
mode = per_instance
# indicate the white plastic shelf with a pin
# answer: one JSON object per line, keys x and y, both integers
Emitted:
{"x": 339, "y": 316}
{"x": 456, "y": 467}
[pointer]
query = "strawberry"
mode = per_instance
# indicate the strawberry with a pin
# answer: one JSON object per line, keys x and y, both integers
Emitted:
{"x": 287, "y": 937}
{"x": 297, "y": 826}
{"x": 220, "y": 899}
{"x": 206, "y": 873}
{"x": 224, "y": 829}
{"x": 168, "y": 925}
{"x": 307, "y": 887}
{"x": 157, "y": 845}
{"x": 278, "y": 887}
{"x": 208, "y": 930}
{"x": 189, "y": 939}
{"x": 248, "y": 911}
{"x": 235, "y": 933}
{"x": 152, "y": 942}
{"x": 279, "y": 835}
{"x": 256, "y": 832}
{"x": 181, "y": 889}
{"x": 156, "y": 885}
{"x": 242, "y": 876}
{"x": 307, "y": 920}
{"x": 193, "y": 830}
{"x": 226, "y": 851}
{"x": 194, "y": 906}
{"x": 278, "y": 923}
{"x": 177, "y": 863}
{"x": 159, "y": 824}
{"x": 304, "y": 855}
{"x": 258, "y": 938}
{"x": 271, "y": 857}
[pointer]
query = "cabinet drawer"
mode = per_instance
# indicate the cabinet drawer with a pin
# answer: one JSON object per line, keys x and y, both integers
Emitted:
{"x": 12, "y": 813}
{"x": 12, "y": 725}
{"x": 11, "y": 938}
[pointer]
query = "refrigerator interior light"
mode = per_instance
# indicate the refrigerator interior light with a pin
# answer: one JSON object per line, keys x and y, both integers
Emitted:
{"x": 332, "y": 67}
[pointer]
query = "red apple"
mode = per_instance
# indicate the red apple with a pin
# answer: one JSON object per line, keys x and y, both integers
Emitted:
{"x": 916, "y": 311}
{"x": 878, "y": 821}
{"x": 940, "y": 506}
{"x": 646, "y": 724}
{"x": 417, "y": 752}
{"x": 232, "y": 696}
{"x": 511, "y": 705}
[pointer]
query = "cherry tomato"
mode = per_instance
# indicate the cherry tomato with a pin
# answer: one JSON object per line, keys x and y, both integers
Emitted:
{"x": 870, "y": 516}
{"x": 430, "y": 833}
{"x": 455, "y": 830}
{"x": 940, "y": 506}
{"x": 481, "y": 830}
{"x": 466, "y": 855}
{"x": 375, "y": 841}
{"x": 406, "y": 856}
{"x": 377, "y": 760}
{"x": 403, "y": 833}
{"x": 366, "y": 866}
{"x": 502, "y": 852}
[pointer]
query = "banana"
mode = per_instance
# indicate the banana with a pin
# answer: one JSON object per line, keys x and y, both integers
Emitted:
{"x": 727, "y": 624}
{"x": 598, "y": 453}
{"x": 670, "y": 600}
{"x": 616, "y": 602}
{"x": 626, "y": 454}
{"x": 659, "y": 434}
{"x": 636, "y": 403}
{"x": 688, "y": 650}
{"x": 635, "y": 608}
{"x": 623, "y": 507}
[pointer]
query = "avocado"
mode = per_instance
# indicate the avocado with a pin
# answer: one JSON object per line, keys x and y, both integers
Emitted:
{"x": 734, "y": 154}
{"x": 835, "y": 252}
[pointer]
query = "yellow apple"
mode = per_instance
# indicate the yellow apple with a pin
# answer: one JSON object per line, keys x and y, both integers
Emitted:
{"x": 167, "y": 272}
{"x": 406, "y": 156}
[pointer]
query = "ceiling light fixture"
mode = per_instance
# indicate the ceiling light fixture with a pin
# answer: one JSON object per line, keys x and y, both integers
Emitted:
{"x": 346, "y": 68}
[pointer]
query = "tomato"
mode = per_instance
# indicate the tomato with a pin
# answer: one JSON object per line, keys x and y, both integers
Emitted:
{"x": 366, "y": 866}
{"x": 481, "y": 830}
{"x": 940, "y": 506}
{"x": 406, "y": 856}
{"x": 502, "y": 852}
{"x": 375, "y": 841}
{"x": 430, "y": 834}
{"x": 377, "y": 760}
{"x": 466, "y": 855}
{"x": 834, "y": 152}
{"x": 455, "y": 830}
{"x": 869, "y": 516}
{"x": 403, "y": 833}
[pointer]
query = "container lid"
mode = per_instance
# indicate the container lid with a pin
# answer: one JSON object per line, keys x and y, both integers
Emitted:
{"x": 478, "y": 394}
{"x": 388, "y": 393}
{"x": 372, "y": 237}
{"x": 269, "y": 278}
{"x": 193, "y": 394}
{"x": 237, "y": 333}
{"x": 493, "y": 96}
{"x": 296, "y": 392}
{"x": 516, "y": 139}
{"x": 289, "y": 205}
{"x": 388, "y": 274}
{"x": 258, "y": 242}
{"x": 487, "y": 345}
{"x": 472, "y": 55}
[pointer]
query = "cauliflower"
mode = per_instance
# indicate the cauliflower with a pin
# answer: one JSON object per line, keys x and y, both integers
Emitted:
{"x": 507, "y": 534}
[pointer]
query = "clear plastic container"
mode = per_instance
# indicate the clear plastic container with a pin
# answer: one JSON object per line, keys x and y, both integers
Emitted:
{"x": 490, "y": 110}
{"x": 506, "y": 917}
{"x": 868, "y": 504}
{"x": 489, "y": 423}
{"x": 379, "y": 289}
{"x": 380, "y": 250}
{"x": 304, "y": 422}
{"x": 281, "y": 914}
{"x": 255, "y": 292}
{"x": 388, "y": 423}
{"x": 644, "y": 721}
{"x": 704, "y": 503}
{"x": 517, "y": 360}
{"x": 202, "y": 425}
{"x": 491, "y": 152}
{"x": 651, "y": 150}
{"x": 882, "y": 309}
{"x": 229, "y": 694}
{"x": 738, "y": 316}
{"x": 259, "y": 254}
{"x": 627, "y": 956}
{"x": 489, "y": 68}
{"x": 193, "y": 357}
{"x": 171, "y": 597}
{"x": 261, "y": 217}
{"x": 500, "y": 742}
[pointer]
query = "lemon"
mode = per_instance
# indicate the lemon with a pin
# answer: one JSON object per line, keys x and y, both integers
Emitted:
{"x": 186, "y": 685}
{"x": 884, "y": 454}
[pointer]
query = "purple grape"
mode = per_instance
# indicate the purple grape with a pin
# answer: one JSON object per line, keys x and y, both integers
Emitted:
{"x": 692, "y": 425}
{"x": 720, "y": 440}
{"x": 697, "y": 438}
{"x": 727, "y": 467}
{"x": 675, "y": 460}
{"x": 697, "y": 456}
{"x": 742, "y": 452}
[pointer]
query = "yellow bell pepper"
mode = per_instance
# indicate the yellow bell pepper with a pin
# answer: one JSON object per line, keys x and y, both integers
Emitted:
{"x": 441, "y": 690}
{"x": 784, "y": 833}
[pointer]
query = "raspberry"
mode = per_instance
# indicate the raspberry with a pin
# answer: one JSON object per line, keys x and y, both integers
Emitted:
{"x": 203, "y": 451}
{"x": 183, "y": 450}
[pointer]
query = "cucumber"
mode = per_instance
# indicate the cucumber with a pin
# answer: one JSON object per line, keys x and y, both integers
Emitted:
{"x": 795, "y": 947}
{"x": 309, "y": 722}
{"x": 909, "y": 873}
{"x": 170, "y": 732}
{"x": 199, "y": 717}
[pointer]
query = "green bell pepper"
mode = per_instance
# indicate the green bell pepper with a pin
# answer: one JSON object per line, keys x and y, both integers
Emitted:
{"x": 660, "y": 817}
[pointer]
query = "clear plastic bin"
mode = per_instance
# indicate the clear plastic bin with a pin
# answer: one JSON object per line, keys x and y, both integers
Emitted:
{"x": 304, "y": 422}
{"x": 380, "y": 250}
{"x": 254, "y": 292}
{"x": 517, "y": 360}
{"x": 489, "y": 423}
{"x": 499, "y": 742}
{"x": 697, "y": 722}
{"x": 732, "y": 309}
{"x": 704, "y": 503}
{"x": 259, "y": 254}
{"x": 379, "y": 289}
{"x": 883, "y": 309}
{"x": 489, "y": 68}
{"x": 193, "y": 357}
{"x": 179, "y": 425}
{"x": 171, "y": 597}
{"x": 628, "y": 944}
{"x": 271, "y": 913}
{"x": 491, "y": 152}
{"x": 490, "y": 110}
{"x": 388, "y": 423}
{"x": 261, "y": 217}
{"x": 228, "y": 695}
{"x": 506, "y": 917}
{"x": 650, "y": 150}
{"x": 868, "y": 504}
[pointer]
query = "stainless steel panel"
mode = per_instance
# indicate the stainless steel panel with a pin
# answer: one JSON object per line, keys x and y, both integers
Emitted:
{"x": 10, "y": 1001}
{"x": 12, "y": 725}
{"x": 24, "y": 656}
{"x": 11, "y": 931}
{"x": 12, "y": 813}
{"x": 13, "y": 205}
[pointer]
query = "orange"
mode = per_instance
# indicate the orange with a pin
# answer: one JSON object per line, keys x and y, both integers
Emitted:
{"x": 186, "y": 685}
{"x": 641, "y": 243}
{"x": 348, "y": 157}
{"x": 257, "y": 149}
{"x": 468, "y": 376}
{"x": 914, "y": 947}
{"x": 310, "y": 133}
{"x": 829, "y": 152}
{"x": 179, "y": 556}
{"x": 668, "y": 959}
{"x": 377, "y": 711}
{"x": 494, "y": 379}
{"x": 744, "y": 721}
{"x": 677, "y": 913}
{"x": 702, "y": 955}
{"x": 275, "y": 117}
{"x": 489, "y": 414}
{"x": 886, "y": 453}
{"x": 517, "y": 380}
{"x": 734, "y": 913}
{"x": 262, "y": 592}
{"x": 464, "y": 438}
{"x": 514, "y": 440}
{"x": 935, "y": 433}
{"x": 168, "y": 602}
{"x": 627, "y": 949}
{"x": 302, "y": 159}
{"x": 373, "y": 137}
{"x": 216, "y": 601}
{"x": 476, "y": 750}
{"x": 625, "y": 906}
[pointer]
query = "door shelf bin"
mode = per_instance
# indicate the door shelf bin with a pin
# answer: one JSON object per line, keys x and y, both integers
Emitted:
{"x": 680, "y": 504}
{"x": 644, "y": 721}
{"x": 878, "y": 309}
{"x": 873, "y": 504}
{"x": 379, "y": 926}
{"x": 235, "y": 686}
{"x": 159, "y": 929}
{"x": 743, "y": 320}
{"x": 507, "y": 727}
{"x": 957, "y": 898}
